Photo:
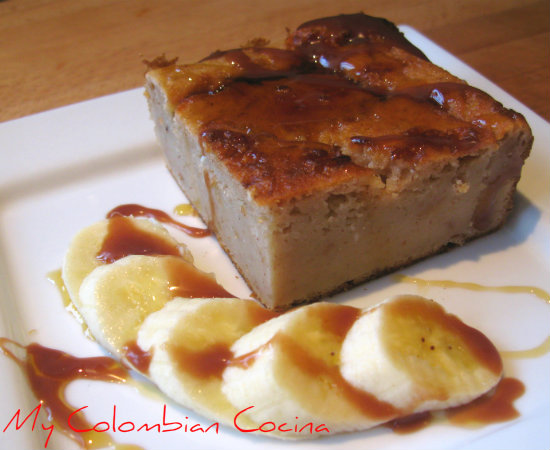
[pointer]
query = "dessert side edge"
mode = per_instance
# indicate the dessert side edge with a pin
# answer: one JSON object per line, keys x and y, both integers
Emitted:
{"x": 333, "y": 157}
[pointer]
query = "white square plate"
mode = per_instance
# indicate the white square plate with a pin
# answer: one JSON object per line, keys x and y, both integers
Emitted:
{"x": 64, "y": 169}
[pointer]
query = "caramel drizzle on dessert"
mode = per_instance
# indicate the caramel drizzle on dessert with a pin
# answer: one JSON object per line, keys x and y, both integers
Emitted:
{"x": 49, "y": 371}
{"x": 136, "y": 210}
{"x": 332, "y": 118}
{"x": 276, "y": 117}
{"x": 138, "y": 357}
{"x": 366, "y": 402}
{"x": 185, "y": 280}
{"x": 124, "y": 239}
{"x": 211, "y": 361}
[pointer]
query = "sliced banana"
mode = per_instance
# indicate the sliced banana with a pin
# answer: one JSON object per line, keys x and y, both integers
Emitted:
{"x": 288, "y": 369}
{"x": 82, "y": 256}
{"x": 190, "y": 342}
{"x": 411, "y": 353}
{"x": 116, "y": 298}
{"x": 333, "y": 366}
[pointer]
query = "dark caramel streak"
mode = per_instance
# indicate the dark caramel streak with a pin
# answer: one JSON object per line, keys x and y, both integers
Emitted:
{"x": 366, "y": 402}
{"x": 212, "y": 360}
{"x": 124, "y": 239}
{"x": 206, "y": 363}
{"x": 139, "y": 358}
{"x": 412, "y": 144}
{"x": 495, "y": 406}
{"x": 347, "y": 30}
{"x": 136, "y": 210}
{"x": 337, "y": 321}
{"x": 185, "y": 280}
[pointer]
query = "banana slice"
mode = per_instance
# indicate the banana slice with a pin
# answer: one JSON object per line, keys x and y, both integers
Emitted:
{"x": 116, "y": 298}
{"x": 288, "y": 369}
{"x": 190, "y": 342}
{"x": 411, "y": 353}
{"x": 82, "y": 256}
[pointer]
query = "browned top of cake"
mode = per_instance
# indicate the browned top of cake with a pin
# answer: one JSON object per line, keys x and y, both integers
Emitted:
{"x": 348, "y": 99}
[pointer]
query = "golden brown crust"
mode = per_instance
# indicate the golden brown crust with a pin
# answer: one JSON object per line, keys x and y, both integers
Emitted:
{"x": 350, "y": 98}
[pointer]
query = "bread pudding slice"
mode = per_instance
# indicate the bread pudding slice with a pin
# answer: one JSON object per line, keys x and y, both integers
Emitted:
{"x": 341, "y": 157}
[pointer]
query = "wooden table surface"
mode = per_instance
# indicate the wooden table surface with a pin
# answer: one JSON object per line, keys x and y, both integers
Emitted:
{"x": 57, "y": 52}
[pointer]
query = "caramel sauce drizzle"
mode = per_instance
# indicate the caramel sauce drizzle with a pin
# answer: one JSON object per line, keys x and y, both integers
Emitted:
{"x": 124, "y": 238}
{"x": 56, "y": 279}
{"x": 135, "y": 210}
{"x": 138, "y": 357}
{"x": 540, "y": 350}
{"x": 513, "y": 289}
{"x": 185, "y": 280}
{"x": 366, "y": 402}
{"x": 338, "y": 321}
{"x": 49, "y": 371}
{"x": 494, "y": 407}
{"x": 411, "y": 423}
{"x": 206, "y": 363}
{"x": 185, "y": 209}
{"x": 212, "y": 360}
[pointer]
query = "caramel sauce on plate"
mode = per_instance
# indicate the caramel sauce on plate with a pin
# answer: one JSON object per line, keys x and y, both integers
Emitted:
{"x": 49, "y": 371}
{"x": 536, "y": 291}
{"x": 494, "y": 407}
{"x": 138, "y": 357}
{"x": 136, "y": 210}
{"x": 410, "y": 424}
{"x": 540, "y": 350}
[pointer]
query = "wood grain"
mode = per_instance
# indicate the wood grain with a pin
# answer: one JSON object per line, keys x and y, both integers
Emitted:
{"x": 57, "y": 52}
